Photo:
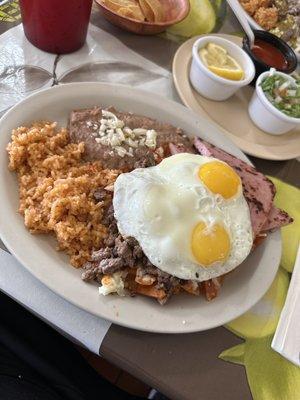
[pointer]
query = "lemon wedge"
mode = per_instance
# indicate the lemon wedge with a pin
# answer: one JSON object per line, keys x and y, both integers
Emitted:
{"x": 220, "y": 62}
{"x": 215, "y": 49}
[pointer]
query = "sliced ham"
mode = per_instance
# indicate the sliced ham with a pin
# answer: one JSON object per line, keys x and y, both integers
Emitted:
{"x": 276, "y": 219}
{"x": 258, "y": 190}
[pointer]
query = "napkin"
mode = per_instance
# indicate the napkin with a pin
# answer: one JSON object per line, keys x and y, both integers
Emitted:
{"x": 24, "y": 69}
{"x": 270, "y": 376}
{"x": 286, "y": 340}
{"x": 78, "y": 325}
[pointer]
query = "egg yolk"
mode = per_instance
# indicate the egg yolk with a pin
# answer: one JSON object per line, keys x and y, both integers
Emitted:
{"x": 220, "y": 178}
{"x": 210, "y": 244}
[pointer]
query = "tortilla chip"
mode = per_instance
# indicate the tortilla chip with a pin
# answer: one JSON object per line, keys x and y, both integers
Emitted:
{"x": 157, "y": 9}
{"x": 147, "y": 11}
{"x": 191, "y": 287}
{"x": 126, "y": 8}
{"x": 134, "y": 12}
{"x": 151, "y": 291}
{"x": 112, "y": 5}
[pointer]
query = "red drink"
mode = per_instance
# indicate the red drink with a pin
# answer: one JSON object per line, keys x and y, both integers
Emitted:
{"x": 56, "y": 26}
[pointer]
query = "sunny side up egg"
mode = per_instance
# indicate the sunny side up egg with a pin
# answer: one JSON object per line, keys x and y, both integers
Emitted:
{"x": 188, "y": 214}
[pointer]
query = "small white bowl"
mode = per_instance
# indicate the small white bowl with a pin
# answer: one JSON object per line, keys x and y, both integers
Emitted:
{"x": 266, "y": 116}
{"x": 211, "y": 85}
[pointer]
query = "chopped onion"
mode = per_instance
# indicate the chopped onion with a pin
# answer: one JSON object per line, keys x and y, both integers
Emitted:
{"x": 272, "y": 71}
{"x": 285, "y": 85}
{"x": 278, "y": 99}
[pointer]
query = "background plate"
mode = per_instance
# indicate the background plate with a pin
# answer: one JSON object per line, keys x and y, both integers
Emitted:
{"x": 184, "y": 313}
{"x": 232, "y": 114}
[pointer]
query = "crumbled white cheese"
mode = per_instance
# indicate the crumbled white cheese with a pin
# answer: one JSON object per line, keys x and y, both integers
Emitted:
{"x": 112, "y": 284}
{"x": 120, "y": 151}
{"x": 115, "y": 141}
{"x": 127, "y": 130}
{"x": 113, "y": 132}
{"x": 151, "y": 139}
{"x": 109, "y": 114}
{"x": 132, "y": 143}
{"x": 139, "y": 131}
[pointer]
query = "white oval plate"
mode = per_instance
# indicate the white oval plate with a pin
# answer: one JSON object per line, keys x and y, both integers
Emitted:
{"x": 184, "y": 313}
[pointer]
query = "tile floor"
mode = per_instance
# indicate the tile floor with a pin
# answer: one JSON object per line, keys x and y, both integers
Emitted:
{"x": 115, "y": 375}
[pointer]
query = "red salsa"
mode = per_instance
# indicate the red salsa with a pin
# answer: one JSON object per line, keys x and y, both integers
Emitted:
{"x": 269, "y": 54}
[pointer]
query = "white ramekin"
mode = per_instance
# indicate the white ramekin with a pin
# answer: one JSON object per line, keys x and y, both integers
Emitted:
{"x": 266, "y": 116}
{"x": 211, "y": 85}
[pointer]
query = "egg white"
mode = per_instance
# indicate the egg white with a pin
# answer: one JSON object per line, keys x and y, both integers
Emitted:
{"x": 160, "y": 207}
